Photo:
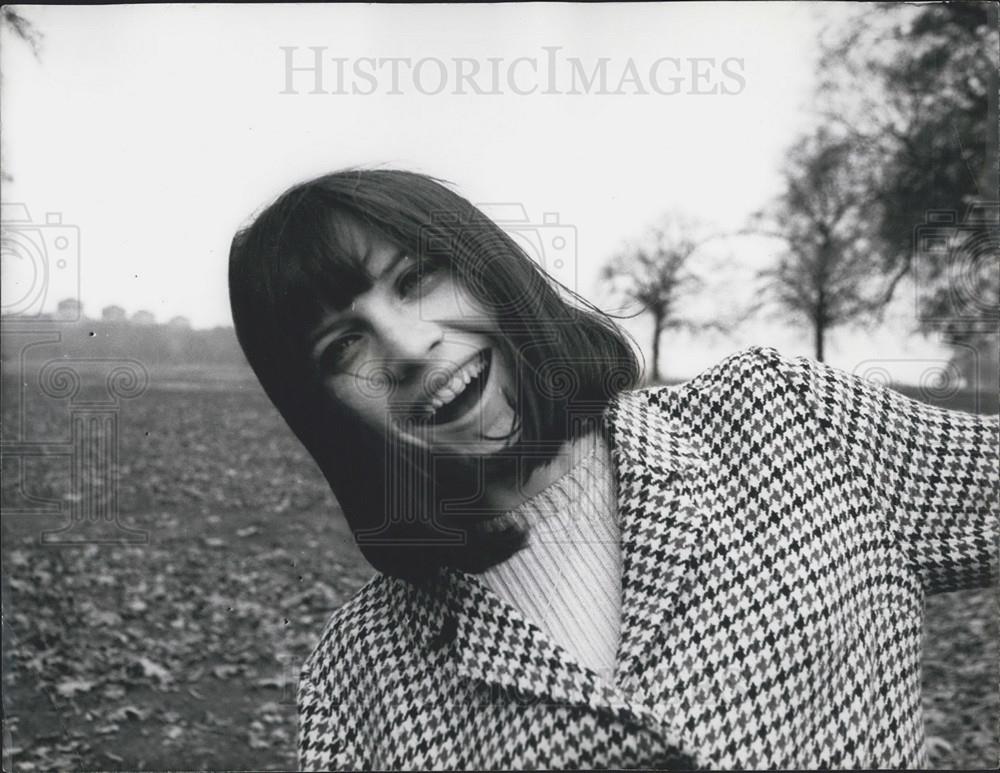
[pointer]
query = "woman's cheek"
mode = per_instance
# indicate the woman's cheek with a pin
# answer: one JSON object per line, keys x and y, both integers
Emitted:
{"x": 347, "y": 389}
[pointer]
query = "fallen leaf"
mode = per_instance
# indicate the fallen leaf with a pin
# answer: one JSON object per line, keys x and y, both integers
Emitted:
{"x": 70, "y": 687}
{"x": 130, "y": 712}
{"x": 152, "y": 670}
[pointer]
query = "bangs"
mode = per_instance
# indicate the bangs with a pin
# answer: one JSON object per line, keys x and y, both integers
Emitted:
{"x": 318, "y": 265}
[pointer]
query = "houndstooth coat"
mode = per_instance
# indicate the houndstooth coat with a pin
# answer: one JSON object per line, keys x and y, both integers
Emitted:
{"x": 782, "y": 522}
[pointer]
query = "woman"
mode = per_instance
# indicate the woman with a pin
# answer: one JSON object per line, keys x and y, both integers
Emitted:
{"x": 728, "y": 573}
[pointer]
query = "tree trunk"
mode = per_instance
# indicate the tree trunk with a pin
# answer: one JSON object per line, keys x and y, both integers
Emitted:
{"x": 991, "y": 180}
{"x": 818, "y": 340}
{"x": 819, "y": 322}
{"x": 654, "y": 373}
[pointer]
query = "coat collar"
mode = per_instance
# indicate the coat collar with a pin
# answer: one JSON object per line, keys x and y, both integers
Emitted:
{"x": 657, "y": 466}
{"x": 662, "y": 516}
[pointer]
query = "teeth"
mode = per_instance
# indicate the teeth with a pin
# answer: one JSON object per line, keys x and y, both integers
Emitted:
{"x": 458, "y": 383}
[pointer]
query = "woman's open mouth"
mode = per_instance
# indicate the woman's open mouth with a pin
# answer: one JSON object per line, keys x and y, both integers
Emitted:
{"x": 456, "y": 399}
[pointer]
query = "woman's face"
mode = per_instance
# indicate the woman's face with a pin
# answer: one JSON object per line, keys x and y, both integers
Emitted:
{"x": 413, "y": 354}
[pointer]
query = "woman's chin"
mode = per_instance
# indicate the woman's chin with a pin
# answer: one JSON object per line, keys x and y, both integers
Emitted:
{"x": 478, "y": 440}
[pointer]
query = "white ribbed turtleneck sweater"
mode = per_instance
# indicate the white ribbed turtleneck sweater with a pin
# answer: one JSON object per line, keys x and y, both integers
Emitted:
{"x": 567, "y": 580}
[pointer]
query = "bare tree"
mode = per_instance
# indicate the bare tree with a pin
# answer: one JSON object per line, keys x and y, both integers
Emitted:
{"x": 26, "y": 31}
{"x": 918, "y": 84}
{"x": 656, "y": 273}
{"x": 929, "y": 77}
{"x": 830, "y": 274}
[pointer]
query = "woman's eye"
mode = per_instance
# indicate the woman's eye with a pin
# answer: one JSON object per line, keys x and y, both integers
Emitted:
{"x": 418, "y": 276}
{"x": 338, "y": 351}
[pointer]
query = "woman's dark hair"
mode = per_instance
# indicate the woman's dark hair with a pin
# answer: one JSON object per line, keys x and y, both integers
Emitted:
{"x": 293, "y": 262}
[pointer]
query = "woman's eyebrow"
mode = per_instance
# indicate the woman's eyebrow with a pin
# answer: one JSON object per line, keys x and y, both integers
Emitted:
{"x": 323, "y": 329}
{"x": 398, "y": 254}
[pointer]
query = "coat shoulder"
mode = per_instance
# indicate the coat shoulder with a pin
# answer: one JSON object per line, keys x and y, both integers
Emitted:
{"x": 748, "y": 370}
{"x": 346, "y": 635}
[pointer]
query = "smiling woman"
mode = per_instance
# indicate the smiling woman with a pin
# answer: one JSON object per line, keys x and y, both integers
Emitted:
{"x": 416, "y": 323}
{"x": 363, "y": 300}
{"x": 574, "y": 573}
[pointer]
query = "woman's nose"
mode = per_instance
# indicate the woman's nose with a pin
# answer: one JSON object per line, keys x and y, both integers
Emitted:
{"x": 407, "y": 336}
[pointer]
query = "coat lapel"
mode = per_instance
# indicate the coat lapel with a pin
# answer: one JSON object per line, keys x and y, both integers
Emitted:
{"x": 662, "y": 518}
{"x": 486, "y": 639}
{"x": 494, "y": 642}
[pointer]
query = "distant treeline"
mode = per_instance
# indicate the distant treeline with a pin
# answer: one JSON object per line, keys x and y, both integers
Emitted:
{"x": 150, "y": 343}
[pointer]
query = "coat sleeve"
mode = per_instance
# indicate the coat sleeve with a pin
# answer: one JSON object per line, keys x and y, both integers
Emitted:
{"x": 936, "y": 472}
{"x": 325, "y": 728}
{"x": 319, "y": 747}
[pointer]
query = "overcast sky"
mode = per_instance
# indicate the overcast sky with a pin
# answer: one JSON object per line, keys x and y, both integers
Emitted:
{"x": 158, "y": 130}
